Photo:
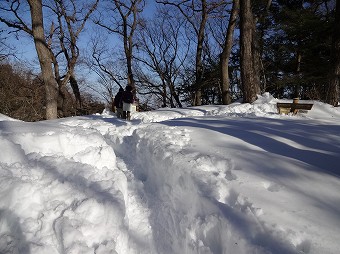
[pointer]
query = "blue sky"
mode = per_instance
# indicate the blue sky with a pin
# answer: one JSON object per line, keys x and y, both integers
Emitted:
{"x": 25, "y": 50}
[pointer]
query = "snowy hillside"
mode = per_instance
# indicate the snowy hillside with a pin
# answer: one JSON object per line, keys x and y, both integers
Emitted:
{"x": 212, "y": 179}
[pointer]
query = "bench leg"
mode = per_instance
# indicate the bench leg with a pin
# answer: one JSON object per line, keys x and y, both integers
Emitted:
{"x": 294, "y": 111}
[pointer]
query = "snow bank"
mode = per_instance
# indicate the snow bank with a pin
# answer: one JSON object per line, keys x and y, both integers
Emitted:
{"x": 211, "y": 179}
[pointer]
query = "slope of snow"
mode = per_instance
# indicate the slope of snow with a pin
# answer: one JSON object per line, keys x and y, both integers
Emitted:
{"x": 209, "y": 179}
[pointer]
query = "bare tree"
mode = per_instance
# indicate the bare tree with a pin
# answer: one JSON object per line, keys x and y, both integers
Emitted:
{"x": 125, "y": 20}
{"x": 6, "y": 50}
{"x": 160, "y": 40}
{"x": 249, "y": 53}
{"x": 71, "y": 19}
{"x": 333, "y": 91}
{"x": 48, "y": 53}
{"x": 109, "y": 69}
{"x": 36, "y": 30}
{"x": 44, "y": 58}
{"x": 196, "y": 14}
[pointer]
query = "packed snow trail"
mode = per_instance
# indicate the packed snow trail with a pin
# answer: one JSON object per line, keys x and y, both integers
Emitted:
{"x": 165, "y": 180}
{"x": 186, "y": 211}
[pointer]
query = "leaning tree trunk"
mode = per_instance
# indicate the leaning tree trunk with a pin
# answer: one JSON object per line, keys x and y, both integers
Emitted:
{"x": 249, "y": 63}
{"x": 226, "y": 97}
{"x": 332, "y": 93}
{"x": 51, "y": 86}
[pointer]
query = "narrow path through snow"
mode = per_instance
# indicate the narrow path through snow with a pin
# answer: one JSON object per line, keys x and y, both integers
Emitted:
{"x": 178, "y": 184}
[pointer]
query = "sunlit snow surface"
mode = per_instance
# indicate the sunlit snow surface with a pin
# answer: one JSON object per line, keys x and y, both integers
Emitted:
{"x": 212, "y": 179}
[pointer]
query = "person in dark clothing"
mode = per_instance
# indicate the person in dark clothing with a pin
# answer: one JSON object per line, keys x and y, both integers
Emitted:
{"x": 127, "y": 102}
{"x": 118, "y": 103}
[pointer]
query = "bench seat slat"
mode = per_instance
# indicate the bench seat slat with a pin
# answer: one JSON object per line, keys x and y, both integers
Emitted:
{"x": 294, "y": 107}
{"x": 306, "y": 106}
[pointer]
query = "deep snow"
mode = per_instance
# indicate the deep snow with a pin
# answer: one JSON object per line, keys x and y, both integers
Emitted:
{"x": 212, "y": 179}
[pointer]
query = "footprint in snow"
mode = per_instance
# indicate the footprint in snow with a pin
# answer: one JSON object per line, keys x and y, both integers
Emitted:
{"x": 304, "y": 246}
{"x": 272, "y": 187}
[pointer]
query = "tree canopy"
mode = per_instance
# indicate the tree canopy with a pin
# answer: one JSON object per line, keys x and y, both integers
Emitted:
{"x": 182, "y": 52}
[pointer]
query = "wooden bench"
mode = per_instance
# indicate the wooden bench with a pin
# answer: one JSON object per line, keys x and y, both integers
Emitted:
{"x": 286, "y": 108}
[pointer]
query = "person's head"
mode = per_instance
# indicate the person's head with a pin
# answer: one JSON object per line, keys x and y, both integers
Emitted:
{"x": 128, "y": 88}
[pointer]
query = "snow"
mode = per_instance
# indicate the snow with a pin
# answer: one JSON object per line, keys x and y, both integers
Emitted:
{"x": 211, "y": 179}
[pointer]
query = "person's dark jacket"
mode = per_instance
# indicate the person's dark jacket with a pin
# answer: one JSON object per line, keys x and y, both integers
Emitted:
{"x": 127, "y": 97}
{"x": 118, "y": 99}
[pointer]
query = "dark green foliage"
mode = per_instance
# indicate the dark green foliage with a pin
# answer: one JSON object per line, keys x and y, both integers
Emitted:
{"x": 297, "y": 48}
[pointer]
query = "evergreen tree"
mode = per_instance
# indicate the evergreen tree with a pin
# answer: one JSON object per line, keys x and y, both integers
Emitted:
{"x": 297, "y": 49}
{"x": 332, "y": 94}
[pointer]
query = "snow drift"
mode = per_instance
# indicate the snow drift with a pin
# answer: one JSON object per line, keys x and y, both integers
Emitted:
{"x": 210, "y": 179}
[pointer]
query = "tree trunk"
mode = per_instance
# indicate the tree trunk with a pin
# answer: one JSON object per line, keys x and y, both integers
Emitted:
{"x": 174, "y": 93}
{"x": 199, "y": 52}
{"x": 297, "y": 87}
{"x": 226, "y": 98}
{"x": 164, "y": 93}
{"x": 51, "y": 86}
{"x": 249, "y": 69}
{"x": 332, "y": 93}
{"x": 75, "y": 89}
{"x": 128, "y": 33}
{"x": 63, "y": 97}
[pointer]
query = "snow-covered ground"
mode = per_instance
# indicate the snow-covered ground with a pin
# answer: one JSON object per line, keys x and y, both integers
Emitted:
{"x": 212, "y": 179}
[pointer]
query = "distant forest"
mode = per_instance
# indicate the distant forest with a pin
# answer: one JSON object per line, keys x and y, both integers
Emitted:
{"x": 173, "y": 53}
